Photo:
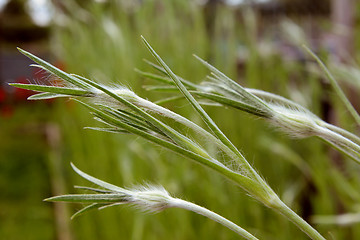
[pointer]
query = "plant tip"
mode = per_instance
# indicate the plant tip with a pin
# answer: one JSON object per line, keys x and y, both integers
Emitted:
{"x": 73, "y": 165}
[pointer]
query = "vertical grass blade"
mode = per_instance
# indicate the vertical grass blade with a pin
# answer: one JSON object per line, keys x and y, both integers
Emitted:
{"x": 336, "y": 86}
{"x": 54, "y": 70}
{"x": 206, "y": 118}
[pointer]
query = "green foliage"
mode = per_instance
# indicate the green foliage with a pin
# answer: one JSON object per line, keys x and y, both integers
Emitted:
{"x": 308, "y": 180}
{"x": 151, "y": 128}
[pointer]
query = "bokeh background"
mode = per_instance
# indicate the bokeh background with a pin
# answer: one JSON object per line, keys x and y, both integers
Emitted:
{"x": 257, "y": 43}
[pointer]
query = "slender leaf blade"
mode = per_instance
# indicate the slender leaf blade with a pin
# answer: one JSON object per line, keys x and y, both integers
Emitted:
{"x": 87, "y": 209}
{"x": 98, "y": 181}
{"x": 45, "y": 96}
{"x": 90, "y": 198}
{"x": 53, "y": 89}
{"x": 50, "y": 68}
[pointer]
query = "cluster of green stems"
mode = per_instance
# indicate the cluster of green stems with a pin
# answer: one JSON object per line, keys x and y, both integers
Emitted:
{"x": 122, "y": 111}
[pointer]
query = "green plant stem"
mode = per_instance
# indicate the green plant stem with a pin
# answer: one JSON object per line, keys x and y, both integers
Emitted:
{"x": 271, "y": 97}
{"x": 199, "y": 130}
{"x": 336, "y": 86}
{"x": 261, "y": 191}
{"x": 271, "y": 200}
{"x": 298, "y": 221}
{"x": 214, "y": 216}
{"x": 251, "y": 182}
{"x": 149, "y": 198}
{"x": 209, "y": 122}
{"x": 343, "y": 149}
{"x": 177, "y": 137}
{"x": 349, "y": 146}
{"x": 342, "y": 132}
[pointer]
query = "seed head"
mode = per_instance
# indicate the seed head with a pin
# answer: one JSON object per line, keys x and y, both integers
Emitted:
{"x": 295, "y": 122}
{"x": 150, "y": 198}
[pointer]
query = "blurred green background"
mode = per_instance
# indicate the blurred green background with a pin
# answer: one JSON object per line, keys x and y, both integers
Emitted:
{"x": 254, "y": 42}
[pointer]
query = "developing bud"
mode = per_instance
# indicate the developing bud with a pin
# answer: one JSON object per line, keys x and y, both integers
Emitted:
{"x": 150, "y": 198}
{"x": 294, "y": 122}
{"x": 123, "y": 92}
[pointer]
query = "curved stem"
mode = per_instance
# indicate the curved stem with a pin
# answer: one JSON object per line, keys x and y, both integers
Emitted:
{"x": 179, "y": 203}
{"x": 150, "y": 106}
{"x": 341, "y": 141}
{"x": 336, "y": 86}
{"x": 343, "y": 132}
{"x": 298, "y": 221}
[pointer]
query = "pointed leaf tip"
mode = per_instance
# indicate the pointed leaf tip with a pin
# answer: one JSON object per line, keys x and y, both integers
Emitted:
{"x": 97, "y": 181}
{"x": 50, "y": 199}
{"x": 22, "y": 51}
{"x": 86, "y": 209}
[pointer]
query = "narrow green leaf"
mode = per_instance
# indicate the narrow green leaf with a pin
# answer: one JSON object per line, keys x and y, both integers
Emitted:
{"x": 344, "y": 149}
{"x": 162, "y": 70}
{"x": 165, "y": 129}
{"x": 342, "y": 132}
{"x": 155, "y": 77}
{"x": 336, "y": 86}
{"x": 225, "y": 90}
{"x": 183, "y": 90}
{"x": 86, "y": 209}
{"x": 56, "y": 71}
{"x": 211, "y": 163}
{"x": 44, "y": 96}
{"x": 274, "y": 98}
{"x": 53, "y": 89}
{"x": 232, "y": 103}
{"x": 223, "y": 78}
{"x": 170, "y": 99}
{"x": 126, "y": 116}
{"x": 126, "y": 121}
{"x": 90, "y": 198}
{"x": 98, "y": 181}
{"x": 215, "y": 129}
{"x": 109, "y": 130}
{"x": 244, "y": 182}
{"x": 161, "y": 88}
{"x": 156, "y": 67}
{"x": 93, "y": 189}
